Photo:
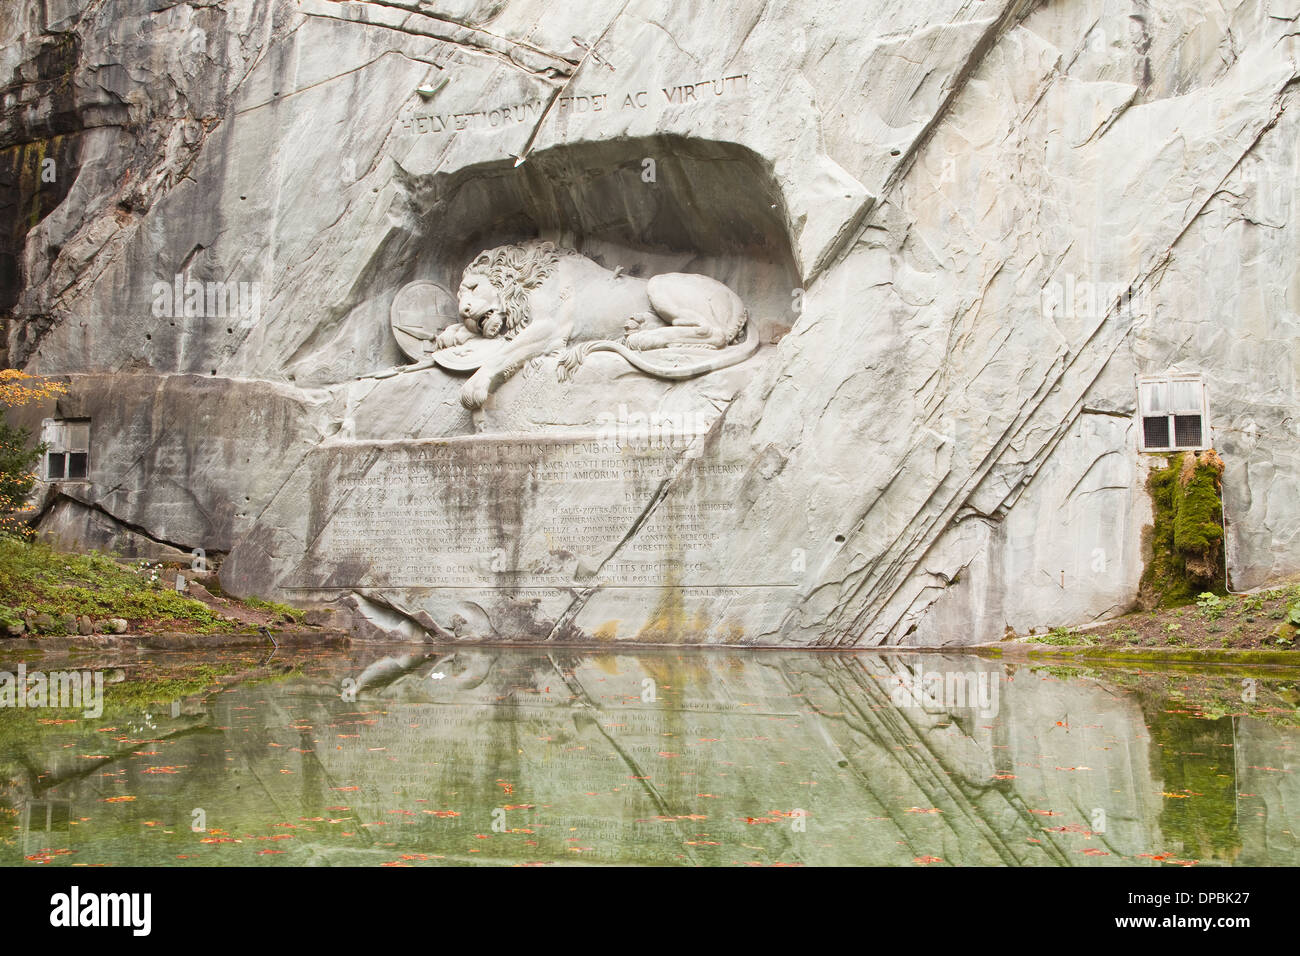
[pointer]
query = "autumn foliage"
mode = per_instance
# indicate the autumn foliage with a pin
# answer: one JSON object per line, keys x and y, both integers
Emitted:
{"x": 16, "y": 459}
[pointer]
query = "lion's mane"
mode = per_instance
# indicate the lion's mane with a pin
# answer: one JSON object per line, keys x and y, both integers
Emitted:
{"x": 514, "y": 271}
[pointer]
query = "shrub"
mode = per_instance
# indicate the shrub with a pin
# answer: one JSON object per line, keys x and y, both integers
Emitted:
{"x": 17, "y": 477}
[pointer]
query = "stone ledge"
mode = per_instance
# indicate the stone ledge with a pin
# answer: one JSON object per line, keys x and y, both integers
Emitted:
{"x": 1016, "y": 652}
{"x": 172, "y": 640}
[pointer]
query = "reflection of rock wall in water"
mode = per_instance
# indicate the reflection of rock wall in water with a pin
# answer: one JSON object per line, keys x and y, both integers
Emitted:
{"x": 961, "y": 231}
{"x": 1270, "y": 818}
{"x": 694, "y": 758}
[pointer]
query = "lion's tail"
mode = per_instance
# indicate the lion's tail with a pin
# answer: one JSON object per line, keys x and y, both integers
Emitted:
{"x": 745, "y": 348}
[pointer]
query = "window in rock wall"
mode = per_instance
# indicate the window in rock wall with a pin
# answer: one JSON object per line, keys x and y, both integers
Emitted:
{"x": 67, "y": 448}
{"x": 1175, "y": 413}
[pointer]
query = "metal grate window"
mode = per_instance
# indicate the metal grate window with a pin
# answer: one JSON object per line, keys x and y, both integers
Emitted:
{"x": 1155, "y": 431}
{"x": 67, "y": 449}
{"x": 1174, "y": 413}
{"x": 1187, "y": 431}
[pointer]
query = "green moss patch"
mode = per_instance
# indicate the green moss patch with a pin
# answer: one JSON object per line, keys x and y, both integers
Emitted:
{"x": 283, "y": 611}
{"x": 1186, "y": 535}
{"x": 36, "y": 577}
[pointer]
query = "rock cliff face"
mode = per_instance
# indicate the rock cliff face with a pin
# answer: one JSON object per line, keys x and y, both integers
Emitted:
{"x": 963, "y": 229}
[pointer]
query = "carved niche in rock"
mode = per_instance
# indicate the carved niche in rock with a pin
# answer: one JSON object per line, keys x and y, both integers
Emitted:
{"x": 519, "y": 302}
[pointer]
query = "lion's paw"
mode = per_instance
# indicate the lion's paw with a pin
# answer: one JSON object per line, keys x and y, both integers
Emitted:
{"x": 641, "y": 340}
{"x": 474, "y": 392}
{"x": 568, "y": 364}
{"x": 636, "y": 321}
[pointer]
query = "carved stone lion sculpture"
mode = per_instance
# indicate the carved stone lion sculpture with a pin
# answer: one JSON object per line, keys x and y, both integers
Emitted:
{"x": 541, "y": 299}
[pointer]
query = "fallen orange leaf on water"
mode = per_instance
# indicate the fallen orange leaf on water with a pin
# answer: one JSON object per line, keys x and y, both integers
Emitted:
{"x": 45, "y": 855}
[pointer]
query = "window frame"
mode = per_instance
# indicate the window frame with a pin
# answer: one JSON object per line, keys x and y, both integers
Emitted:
{"x": 1171, "y": 415}
{"x": 57, "y": 435}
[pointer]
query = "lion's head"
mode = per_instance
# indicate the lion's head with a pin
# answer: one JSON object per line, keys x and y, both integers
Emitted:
{"x": 493, "y": 292}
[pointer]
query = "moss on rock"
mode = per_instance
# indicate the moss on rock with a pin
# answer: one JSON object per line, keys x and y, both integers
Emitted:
{"x": 1186, "y": 536}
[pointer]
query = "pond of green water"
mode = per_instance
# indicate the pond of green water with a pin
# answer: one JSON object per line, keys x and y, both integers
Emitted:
{"x": 562, "y": 756}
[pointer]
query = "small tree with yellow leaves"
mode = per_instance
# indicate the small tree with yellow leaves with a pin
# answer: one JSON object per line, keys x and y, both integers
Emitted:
{"x": 16, "y": 459}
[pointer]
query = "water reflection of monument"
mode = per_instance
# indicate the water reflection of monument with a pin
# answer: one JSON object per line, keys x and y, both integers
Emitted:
{"x": 698, "y": 757}
{"x": 1063, "y": 773}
